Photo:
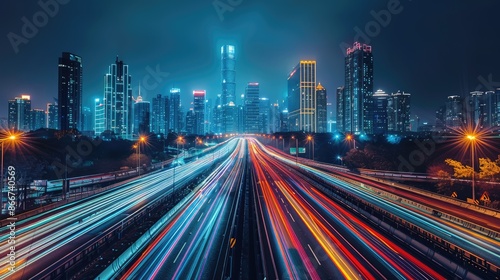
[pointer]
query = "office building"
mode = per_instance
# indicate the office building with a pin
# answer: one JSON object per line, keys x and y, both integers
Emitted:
{"x": 160, "y": 115}
{"x": 38, "y": 119}
{"x": 142, "y": 117}
{"x": 228, "y": 95}
{"x": 19, "y": 111}
{"x": 356, "y": 99}
{"x": 199, "y": 112}
{"x": 175, "y": 118}
{"x": 252, "y": 108}
{"x": 118, "y": 100}
{"x": 379, "y": 112}
{"x": 302, "y": 97}
{"x": 70, "y": 92}
{"x": 52, "y": 116}
{"x": 321, "y": 109}
{"x": 398, "y": 112}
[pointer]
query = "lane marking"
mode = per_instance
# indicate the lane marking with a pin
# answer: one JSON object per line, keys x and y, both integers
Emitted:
{"x": 200, "y": 217}
{"x": 291, "y": 217}
{"x": 313, "y": 253}
{"x": 183, "y": 249}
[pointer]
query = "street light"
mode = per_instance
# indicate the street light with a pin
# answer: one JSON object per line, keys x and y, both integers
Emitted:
{"x": 311, "y": 139}
{"x": 179, "y": 139}
{"x": 296, "y": 149}
{"x": 281, "y": 137}
{"x": 142, "y": 139}
{"x": 340, "y": 158}
{"x": 472, "y": 139}
{"x": 350, "y": 137}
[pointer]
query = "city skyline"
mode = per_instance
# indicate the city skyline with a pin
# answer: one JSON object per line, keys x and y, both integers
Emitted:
{"x": 252, "y": 23}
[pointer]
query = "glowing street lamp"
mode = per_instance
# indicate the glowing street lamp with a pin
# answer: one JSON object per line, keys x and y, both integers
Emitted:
{"x": 311, "y": 139}
{"x": 472, "y": 139}
{"x": 281, "y": 137}
{"x": 179, "y": 139}
{"x": 12, "y": 138}
{"x": 350, "y": 137}
{"x": 296, "y": 149}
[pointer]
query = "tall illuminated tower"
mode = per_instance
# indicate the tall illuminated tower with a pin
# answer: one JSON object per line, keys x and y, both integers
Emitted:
{"x": 321, "y": 111}
{"x": 358, "y": 91}
{"x": 228, "y": 77}
{"x": 70, "y": 92}
{"x": 199, "y": 112}
{"x": 118, "y": 100}
{"x": 302, "y": 97}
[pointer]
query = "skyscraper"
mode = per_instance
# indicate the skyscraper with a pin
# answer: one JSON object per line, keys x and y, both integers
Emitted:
{"x": 379, "y": 113}
{"x": 251, "y": 108}
{"x": 358, "y": 90}
{"x": 321, "y": 110}
{"x": 20, "y": 113}
{"x": 70, "y": 92}
{"x": 99, "y": 117}
{"x": 340, "y": 109}
{"x": 454, "y": 116}
{"x": 142, "y": 114}
{"x": 398, "y": 112}
{"x": 302, "y": 97}
{"x": 160, "y": 115}
{"x": 199, "y": 112}
{"x": 175, "y": 110}
{"x": 37, "y": 119}
{"x": 87, "y": 120}
{"x": 264, "y": 115}
{"x": 52, "y": 116}
{"x": 228, "y": 97}
{"x": 118, "y": 100}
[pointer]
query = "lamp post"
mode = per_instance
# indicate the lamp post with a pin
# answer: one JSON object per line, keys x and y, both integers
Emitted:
{"x": 142, "y": 139}
{"x": 350, "y": 137}
{"x": 296, "y": 149}
{"x": 176, "y": 158}
{"x": 472, "y": 139}
{"x": 311, "y": 139}
{"x": 281, "y": 137}
{"x": 340, "y": 158}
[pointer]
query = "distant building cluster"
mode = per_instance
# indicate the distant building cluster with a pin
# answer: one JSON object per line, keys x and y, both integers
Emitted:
{"x": 125, "y": 114}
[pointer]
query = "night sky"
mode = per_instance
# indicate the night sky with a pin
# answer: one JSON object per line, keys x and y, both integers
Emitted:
{"x": 431, "y": 49}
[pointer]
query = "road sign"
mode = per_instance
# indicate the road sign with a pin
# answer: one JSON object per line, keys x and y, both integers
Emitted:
{"x": 302, "y": 150}
{"x": 293, "y": 151}
{"x": 485, "y": 197}
{"x": 232, "y": 242}
{"x": 454, "y": 194}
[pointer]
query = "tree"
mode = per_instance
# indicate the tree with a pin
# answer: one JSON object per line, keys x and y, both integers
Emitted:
{"x": 460, "y": 170}
{"x": 443, "y": 173}
{"x": 488, "y": 168}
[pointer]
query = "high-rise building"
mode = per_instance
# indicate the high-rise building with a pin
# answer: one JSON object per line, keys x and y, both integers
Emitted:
{"x": 340, "y": 109}
{"x": 208, "y": 116}
{"x": 37, "y": 119}
{"x": 70, "y": 92}
{"x": 20, "y": 113}
{"x": 160, "y": 115}
{"x": 190, "y": 121}
{"x": 302, "y": 97}
{"x": 454, "y": 112}
{"x": 398, "y": 112}
{"x": 379, "y": 112}
{"x": 274, "y": 118}
{"x": 175, "y": 110}
{"x": 358, "y": 90}
{"x": 142, "y": 117}
{"x": 217, "y": 117}
{"x": 87, "y": 119}
{"x": 99, "y": 117}
{"x": 118, "y": 100}
{"x": 199, "y": 112}
{"x": 52, "y": 116}
{"x": 228, "y": 96}
{"x": 321, "y": 109}
{"x": 264, "y": 115}
{"x": 252, "y": 108}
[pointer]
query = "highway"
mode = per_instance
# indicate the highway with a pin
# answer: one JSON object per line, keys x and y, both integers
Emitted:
{"x": 483, "y": 247}
{"x": 59, "y": 233}
{"x": 198, "y": 241}
{"x": 313, "y": 238}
